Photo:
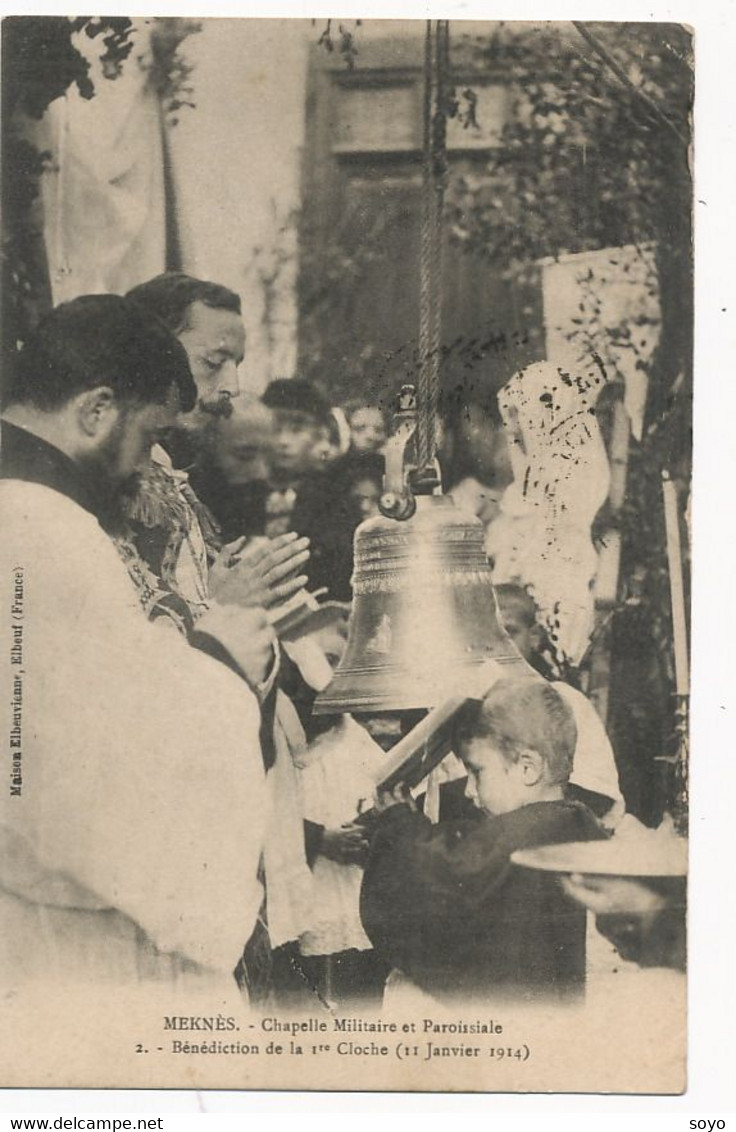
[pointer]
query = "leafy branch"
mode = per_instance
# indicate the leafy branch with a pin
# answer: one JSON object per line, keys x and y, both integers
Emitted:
{"x": 342, "y": 42}
{"x": 170, "y": 72}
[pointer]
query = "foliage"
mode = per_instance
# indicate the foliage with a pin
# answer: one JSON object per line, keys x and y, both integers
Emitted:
{"x": 584, "y": 162}
{"x": 40, "y": 63}
{"x": 344, "y": 43}
{"x": 589, "y": 161}
{"x": 333, "y": 271}
{"x": 170, "y": 72}
{"x": 595, "y": 155}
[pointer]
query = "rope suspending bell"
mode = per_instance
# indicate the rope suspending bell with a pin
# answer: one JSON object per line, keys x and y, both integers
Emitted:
{"x": 423, "y": 624}
{"x": 434, "y": 176}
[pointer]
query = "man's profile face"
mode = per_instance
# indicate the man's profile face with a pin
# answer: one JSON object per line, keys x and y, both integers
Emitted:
{"x": 125, "y": 449}
{"x": 242, "y": 447}
{"x": 121, "y": 451}
{"x": 214, "y": 340}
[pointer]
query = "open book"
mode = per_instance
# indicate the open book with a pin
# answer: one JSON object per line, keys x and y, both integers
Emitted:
{"x": 425, "y": 746}
{"x": 303, "y": 614}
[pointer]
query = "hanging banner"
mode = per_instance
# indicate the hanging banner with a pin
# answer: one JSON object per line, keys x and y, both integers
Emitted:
{"x": 103, "y": 191}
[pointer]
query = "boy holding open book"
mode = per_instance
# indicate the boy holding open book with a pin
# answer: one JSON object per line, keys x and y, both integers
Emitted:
{"x": 443, "y": 903}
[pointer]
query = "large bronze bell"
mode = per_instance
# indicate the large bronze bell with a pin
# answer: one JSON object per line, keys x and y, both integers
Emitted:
{"x": 424, "y": 623}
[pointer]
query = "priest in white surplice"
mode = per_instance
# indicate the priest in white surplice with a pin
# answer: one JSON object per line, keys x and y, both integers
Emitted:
{"x": 133, "y": 807}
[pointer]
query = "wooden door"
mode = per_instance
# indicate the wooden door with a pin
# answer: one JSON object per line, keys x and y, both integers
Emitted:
{"x": 361, "y": 229}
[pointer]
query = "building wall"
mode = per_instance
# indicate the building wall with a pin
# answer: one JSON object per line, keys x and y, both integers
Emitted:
{"x": 237, "y": 164}
{"x": 236, "y": 160}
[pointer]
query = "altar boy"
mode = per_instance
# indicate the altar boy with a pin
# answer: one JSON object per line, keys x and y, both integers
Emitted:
{"x": 444, "y": 904}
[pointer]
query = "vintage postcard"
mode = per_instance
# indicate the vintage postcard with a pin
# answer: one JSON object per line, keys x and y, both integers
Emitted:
{"x": 345, "y": 489}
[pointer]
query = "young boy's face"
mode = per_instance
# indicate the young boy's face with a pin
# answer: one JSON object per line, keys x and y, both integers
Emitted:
{"x": 295, "y": 434}
{"x": 495, "y": 786}
{"x": 367, "y": 429}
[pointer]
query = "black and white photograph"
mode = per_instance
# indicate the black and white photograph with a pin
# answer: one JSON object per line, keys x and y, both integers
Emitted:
{"x": 345, "y": 490}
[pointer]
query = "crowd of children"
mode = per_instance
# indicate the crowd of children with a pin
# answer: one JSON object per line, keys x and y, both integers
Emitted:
{"x": 287, "y": 461}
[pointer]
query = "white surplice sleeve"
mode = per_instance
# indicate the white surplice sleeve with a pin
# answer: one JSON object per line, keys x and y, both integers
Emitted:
{"x": 142, "y": 772}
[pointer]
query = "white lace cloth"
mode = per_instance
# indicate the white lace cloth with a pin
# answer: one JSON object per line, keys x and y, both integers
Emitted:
{"x": 542, "y": 534}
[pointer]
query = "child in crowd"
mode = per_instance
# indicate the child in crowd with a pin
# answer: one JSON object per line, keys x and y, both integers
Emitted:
{"x": 594, "y": 778}
{"x": 443, "y": 903}
{"x": 300, "y": 415}
{"x": 330, "y": 444}
{"x": 328, "y": 511}
{"x": 367, "y": 426}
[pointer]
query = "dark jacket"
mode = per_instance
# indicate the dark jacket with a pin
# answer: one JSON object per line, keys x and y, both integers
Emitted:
{"x": 444, "y": 904}
{"x": 238, "y": 510}
{"x": 325, "y": 512}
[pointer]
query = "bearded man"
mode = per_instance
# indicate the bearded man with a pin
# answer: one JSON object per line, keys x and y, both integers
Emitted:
{"x": 176, "y": 536}
{"x": 181, "y": 543}
{"x": 231, "y": 472}
{"x": 132, "y": 832}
